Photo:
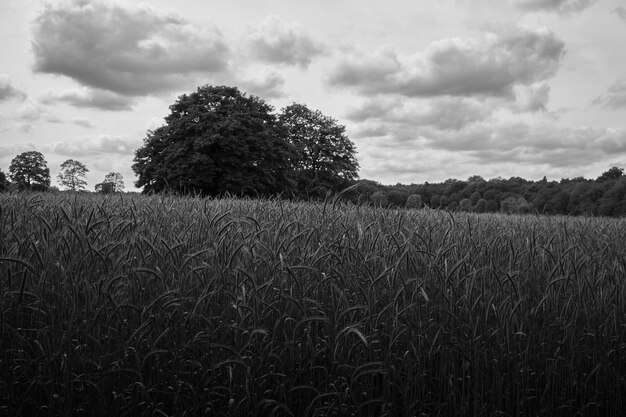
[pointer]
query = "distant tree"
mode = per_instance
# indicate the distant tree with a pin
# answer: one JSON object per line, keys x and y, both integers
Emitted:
{"x": 113, "y": 183}
{"x": 379, "y": 199}
{"x": 326, "y": 157}
{"x": 481, "y": 206}
{"x": 474, "y": 198}
{"x": 72, "y": 175}
{"x": 465, "y": 204}
{"x": 612, "y": 174}
{"x": 397, "y": 198}
{"x": 4, "y": 183}
{"x": 217, "y": 140}
{"x": 613, "y": 202}
{"x": 414, "y": 201}
{"x": 514, "y": 204}
{"x": 29, "y": 171}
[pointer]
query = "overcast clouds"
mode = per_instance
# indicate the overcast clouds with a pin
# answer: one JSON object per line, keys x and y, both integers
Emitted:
{"x": 428, "y": 90}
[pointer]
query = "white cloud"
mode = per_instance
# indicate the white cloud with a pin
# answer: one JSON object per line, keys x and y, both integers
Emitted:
{"x": 129, "y": 50}
{"x": 621, "y": 12}
{"x": 445, "y": 113}
{"x": 266, "y": 85}
{"x": 275, "y": 41}
{"x": 90, "y": 97}
{"x": 564, "y": 7}
{"x": 491, "y": 65}
{"x": 7, "y": 90}
{"x": 615, "y": 96}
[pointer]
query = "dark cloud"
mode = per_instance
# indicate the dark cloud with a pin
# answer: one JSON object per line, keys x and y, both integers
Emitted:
{"x": 564, "y": 7}
{"x": 621, "y": 12}
{"x": 275, "y": 41}
{"x": 265, "y": 86}
{"x": 89, "y": 97}
{"x": 489, "y": 66}
{"x": 130, "y": 50}
{"x": 7, "y": 90}
{"x": 615, "y": 96}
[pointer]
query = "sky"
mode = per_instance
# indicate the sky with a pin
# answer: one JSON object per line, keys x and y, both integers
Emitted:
{"x": 427, "y": 90}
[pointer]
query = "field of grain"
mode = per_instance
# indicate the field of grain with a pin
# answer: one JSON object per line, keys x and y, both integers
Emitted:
{"x": 154, "y": 306}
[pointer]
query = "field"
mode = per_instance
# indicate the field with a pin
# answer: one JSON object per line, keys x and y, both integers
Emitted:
{"x": 153, "y": 306}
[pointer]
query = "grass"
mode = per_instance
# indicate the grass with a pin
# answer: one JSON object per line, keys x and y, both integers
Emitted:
{"x": 148, "y": 306}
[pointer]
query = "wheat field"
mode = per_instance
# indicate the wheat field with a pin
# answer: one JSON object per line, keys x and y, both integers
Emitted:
{"x": 160, "y": 305}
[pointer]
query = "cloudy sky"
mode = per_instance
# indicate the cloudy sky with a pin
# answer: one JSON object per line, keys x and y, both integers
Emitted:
{"x": 428, "y": 90}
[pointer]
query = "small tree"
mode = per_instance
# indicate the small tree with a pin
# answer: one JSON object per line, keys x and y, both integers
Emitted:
{"x": 379, "y": 199}
{"x": 29, "y": 171}
{"x": 72, "y": 175}
{"x": 113, "y": 183}
{"x": 414, "y": 201}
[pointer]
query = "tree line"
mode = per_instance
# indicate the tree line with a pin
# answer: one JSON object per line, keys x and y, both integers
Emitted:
{"x": 604, "y": 195}
{"x": 219, "y": 140}
{"x": 29, "y": 171}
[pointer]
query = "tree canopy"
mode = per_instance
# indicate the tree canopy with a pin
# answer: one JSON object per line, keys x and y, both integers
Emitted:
{"x": 4, "y": 183}
{"x": 217, "y": 140}
{"x": 326, "y": 157}
{"x": 113, "y": 183}
{"x": 72, "y": 175}
{"x": 29, "y": 170}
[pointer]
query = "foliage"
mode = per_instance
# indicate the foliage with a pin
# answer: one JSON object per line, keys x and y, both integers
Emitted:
{"x": 216, "y": 140}
{"x": 113, "y": 183}
{"x": 326, "y": 157}
{"x": 4, "y": 183}
{"x": 612, "y": 174}
{"x": 414, "y": 201}
{"x": 155, "y": 305}
{"x": 72, "y": 175}
{"x": 29, "y": 171}
{"x": 604, "y": 196}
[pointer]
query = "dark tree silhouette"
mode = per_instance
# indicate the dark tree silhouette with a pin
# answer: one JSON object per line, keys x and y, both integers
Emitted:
{"x": 326, "y": 157}
{"x": 29, "y": 171}
{"x": 217, "y": 140}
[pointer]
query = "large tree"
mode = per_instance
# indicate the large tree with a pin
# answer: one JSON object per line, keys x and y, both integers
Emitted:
{"x": 326, "y": 156}
{"x": 216, "y": 140}
{"x": 72, "y": 175}
{"x": 29, "y": 170}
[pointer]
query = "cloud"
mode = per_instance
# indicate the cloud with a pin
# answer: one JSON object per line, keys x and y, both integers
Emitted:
{"x": 615, "y": 96}
{"x": 7, "y": 90}
{"x": 532, "y": 98}
{"x": 491, "y": 65}
{"x": 89, "y": 97}
{"x": 563, "y": 7}
{"x": 128, "y": 50}
{"x": 444, "y": 113}
{"x": 275, "y": 41}
{"x": 83, "y": 123}
{"x": 503, "y": 148}
{"x": 621, "y": 12}
{"x": 98, "y": 145}
{"x": 265, "y": 86}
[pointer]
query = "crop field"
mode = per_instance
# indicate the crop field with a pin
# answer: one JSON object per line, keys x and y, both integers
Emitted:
{"x": 161, "y": 305}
